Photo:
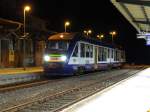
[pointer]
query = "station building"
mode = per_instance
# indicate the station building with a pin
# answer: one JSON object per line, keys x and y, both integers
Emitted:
{"x": 12, "y": 53}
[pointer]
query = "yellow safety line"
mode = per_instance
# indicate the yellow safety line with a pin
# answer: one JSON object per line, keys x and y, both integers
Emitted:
{"x": 12, "y": 72}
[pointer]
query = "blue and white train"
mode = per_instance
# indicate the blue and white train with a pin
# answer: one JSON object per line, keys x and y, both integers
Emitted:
{"x": 75, "y": 53}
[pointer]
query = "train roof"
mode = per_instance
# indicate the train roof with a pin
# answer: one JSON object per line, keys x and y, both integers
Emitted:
{"x": 80, "y": 37}
{"x": 62, "y": 36}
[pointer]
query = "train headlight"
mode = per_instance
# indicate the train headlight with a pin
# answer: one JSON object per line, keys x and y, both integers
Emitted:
{"x": 63, "y": 58}
{"x": 46, "y": 58}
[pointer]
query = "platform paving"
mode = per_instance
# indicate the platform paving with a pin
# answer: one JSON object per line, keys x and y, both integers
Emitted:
{"x": 13, "y": 75}
{"x": 130, "y": 95}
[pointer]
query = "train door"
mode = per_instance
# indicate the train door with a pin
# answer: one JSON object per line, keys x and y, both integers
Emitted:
{"x": 95, "y": 57}
{"x": 75, "y": 58}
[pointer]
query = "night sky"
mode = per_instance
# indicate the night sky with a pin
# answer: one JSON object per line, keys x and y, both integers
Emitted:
{"x": 100, "y": 16}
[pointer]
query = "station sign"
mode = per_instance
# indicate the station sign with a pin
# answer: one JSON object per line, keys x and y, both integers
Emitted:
{"x": 141, "y": 36}
{"x": 148, "y": 41}
{"x": 145, "y": 36}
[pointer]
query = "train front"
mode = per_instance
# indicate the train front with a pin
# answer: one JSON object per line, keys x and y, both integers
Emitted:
{"x": 56, "y": 54}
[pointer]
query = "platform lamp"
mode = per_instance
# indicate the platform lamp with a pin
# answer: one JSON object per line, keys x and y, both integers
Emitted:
{"x": 113, "y": 33}
{"x": 67, "y": 23}
{"x": 26, "y": 9}
{"x": 100, "y": 36}
{"x": 87, "y": 32}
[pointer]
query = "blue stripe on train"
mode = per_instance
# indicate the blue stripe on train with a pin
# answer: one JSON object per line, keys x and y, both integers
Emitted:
{"x": 70, "y": 69}
{"x": 66, "y": 70}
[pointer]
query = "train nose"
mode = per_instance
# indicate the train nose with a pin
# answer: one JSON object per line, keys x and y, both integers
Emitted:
{"x": 55, "y": 58}
{"x": 54, "y": 65}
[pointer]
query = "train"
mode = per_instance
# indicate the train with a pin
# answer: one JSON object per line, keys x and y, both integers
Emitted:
{"x": 76, "y": 53}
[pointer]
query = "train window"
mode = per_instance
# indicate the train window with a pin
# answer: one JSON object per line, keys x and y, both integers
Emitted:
{"x": 52, "y": 45}
{"x": 100, "y": 51}
{"x": 58, "y": 45}
{"x": 62, "y": 45}
{"x": 75, "y": 53}
{"x": 82, "y": 48}
{"x": 91, "y": 51}
{"x": 108, "y": 52}
{"x": 115, "y": 55}
{"x": 119, "y": 55}
{"x": 104, "y": 54}
{"x": 87, "y": 51}
{"x": 112, "y": 53}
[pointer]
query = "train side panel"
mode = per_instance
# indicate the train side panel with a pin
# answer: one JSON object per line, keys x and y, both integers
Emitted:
{"x": 97, "y": 57}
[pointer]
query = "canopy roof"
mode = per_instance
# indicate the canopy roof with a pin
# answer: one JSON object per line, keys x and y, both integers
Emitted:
{"x": 137, "y": 12}
{"x": 9, "y": 24}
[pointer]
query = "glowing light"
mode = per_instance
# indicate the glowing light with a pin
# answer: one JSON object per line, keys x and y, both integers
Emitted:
{"x": 89, "y": 31}
{"x": 98, "y": 36}
{"x": 102, "y": 36}
{"x": 113, "y": 33}
{"x": 27, "y": 8}
{"x": 67, "y": 23}
{"x": 61, "y": 36}
{"x": 85, "y": 31}
{"x": 63, "y": 58}
{"x": 46, "y": 58}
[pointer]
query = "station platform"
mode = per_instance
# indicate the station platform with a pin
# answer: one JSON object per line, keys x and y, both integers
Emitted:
{"x": 17, "y": 75}
{"x": 129, "y": 95}
{"x": 12, "y": 71}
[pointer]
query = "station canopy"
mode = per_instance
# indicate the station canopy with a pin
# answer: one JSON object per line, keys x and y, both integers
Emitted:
{"x": 137, "y": 12}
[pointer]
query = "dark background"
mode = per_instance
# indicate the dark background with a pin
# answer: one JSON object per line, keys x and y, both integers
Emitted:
{"x": 100, "y": 16}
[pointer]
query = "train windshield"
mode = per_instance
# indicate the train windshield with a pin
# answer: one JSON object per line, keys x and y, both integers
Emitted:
{"x": 62, "y": 45}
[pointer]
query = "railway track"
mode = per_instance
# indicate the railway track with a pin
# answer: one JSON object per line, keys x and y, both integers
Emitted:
{"x": 21, "y": 85}
{"x": 15, "y": 86}
{"x": 56, "y": 101}
{"x": 10, "y": 87}
{"x": 6, "y": 88}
